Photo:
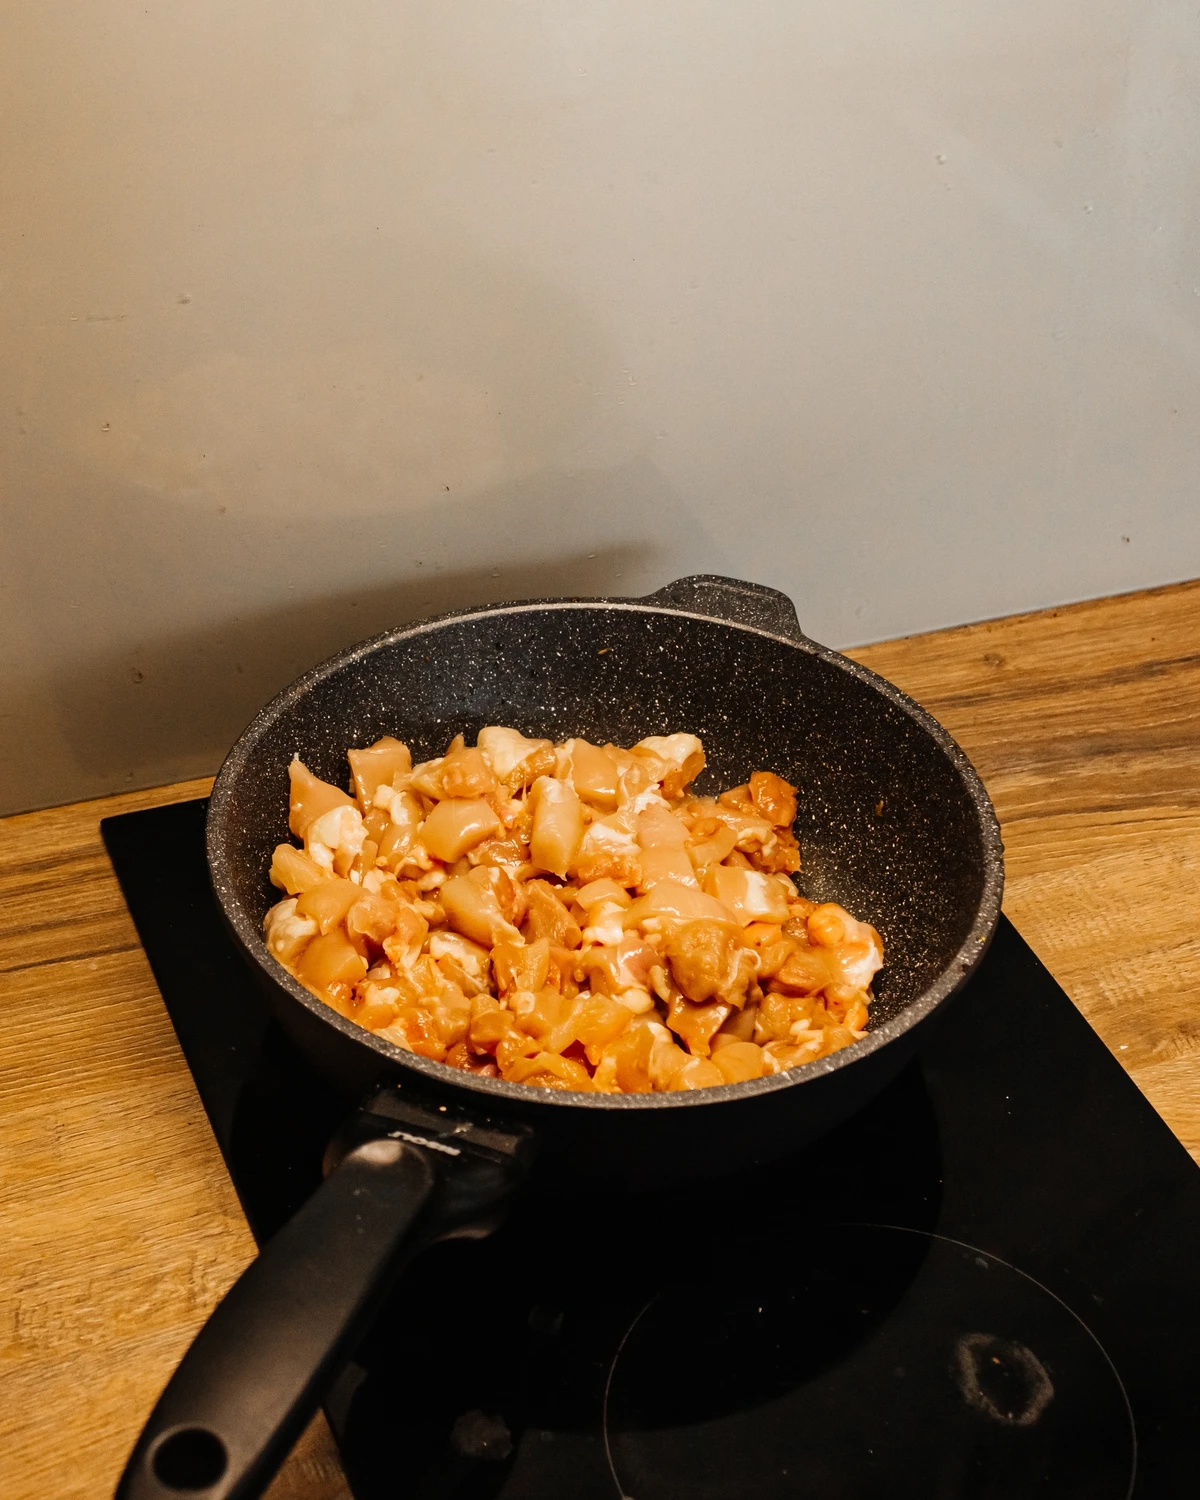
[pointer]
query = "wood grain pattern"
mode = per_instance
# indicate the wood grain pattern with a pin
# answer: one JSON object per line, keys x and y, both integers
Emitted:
{"x": 119, "y": 1225}
{"x": 120, "y": 1228}
{"x": 1084, "y": 723}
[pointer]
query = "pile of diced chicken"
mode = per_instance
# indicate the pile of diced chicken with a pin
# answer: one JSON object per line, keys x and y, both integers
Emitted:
{"x": 567, "y": 916}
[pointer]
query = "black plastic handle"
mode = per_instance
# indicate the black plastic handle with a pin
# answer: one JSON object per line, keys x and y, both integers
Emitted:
{"x": 258, "y": 1368}
{"x": 733, "y": 600}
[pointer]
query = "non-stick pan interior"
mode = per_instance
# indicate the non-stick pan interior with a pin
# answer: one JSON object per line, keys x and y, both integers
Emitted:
{"x": 887, "y": 821}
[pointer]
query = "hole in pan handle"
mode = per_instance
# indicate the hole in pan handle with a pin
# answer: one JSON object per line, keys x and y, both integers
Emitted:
{"x": 733, "y": 600}
{"x": 257, "y": 1370}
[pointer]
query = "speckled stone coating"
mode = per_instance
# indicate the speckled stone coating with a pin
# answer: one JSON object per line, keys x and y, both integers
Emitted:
{"x": 893, "y": 821}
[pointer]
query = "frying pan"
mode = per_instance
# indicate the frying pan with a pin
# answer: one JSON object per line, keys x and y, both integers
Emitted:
{"x": 893, "y": 823}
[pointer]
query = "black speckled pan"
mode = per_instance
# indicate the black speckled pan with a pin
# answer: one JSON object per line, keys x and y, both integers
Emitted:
{"x": 893, "y": 823}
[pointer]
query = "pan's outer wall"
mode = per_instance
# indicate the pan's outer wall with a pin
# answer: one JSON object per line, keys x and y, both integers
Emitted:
{"x": 892, "y": 822}
{"x": 638, "y": 1149}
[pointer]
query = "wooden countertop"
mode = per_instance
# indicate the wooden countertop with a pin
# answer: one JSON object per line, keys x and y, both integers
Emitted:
{"x": 120, "y": 1228}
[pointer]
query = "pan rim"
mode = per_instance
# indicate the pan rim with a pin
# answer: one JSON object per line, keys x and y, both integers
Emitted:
{"x": 501, "y": 1092}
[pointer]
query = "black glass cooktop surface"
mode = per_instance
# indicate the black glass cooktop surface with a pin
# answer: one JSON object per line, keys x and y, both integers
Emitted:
{"x": 985, "y": 1285}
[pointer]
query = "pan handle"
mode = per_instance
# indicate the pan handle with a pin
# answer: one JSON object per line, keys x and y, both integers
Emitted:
{"x": 732, "y": 600}
{"x": 258, "y": 1368}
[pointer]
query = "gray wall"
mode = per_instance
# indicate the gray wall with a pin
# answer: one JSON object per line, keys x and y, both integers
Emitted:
{"x": 319, "y": 317}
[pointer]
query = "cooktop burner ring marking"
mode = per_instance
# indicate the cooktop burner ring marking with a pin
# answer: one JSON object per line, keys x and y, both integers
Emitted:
{"x": 975, "y": 1250}
{"x": 1066, "y": 1306}
{"x": 608, "y": 1380}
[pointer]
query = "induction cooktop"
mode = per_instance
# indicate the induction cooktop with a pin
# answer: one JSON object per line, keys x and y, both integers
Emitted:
{"x": 985, "y": 1285}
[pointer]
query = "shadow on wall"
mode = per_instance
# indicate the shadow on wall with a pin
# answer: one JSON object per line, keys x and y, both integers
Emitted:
{"x": 212, "y": 506}
{"x": 148, "y": 700}
{"x": 190, "y": 694}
